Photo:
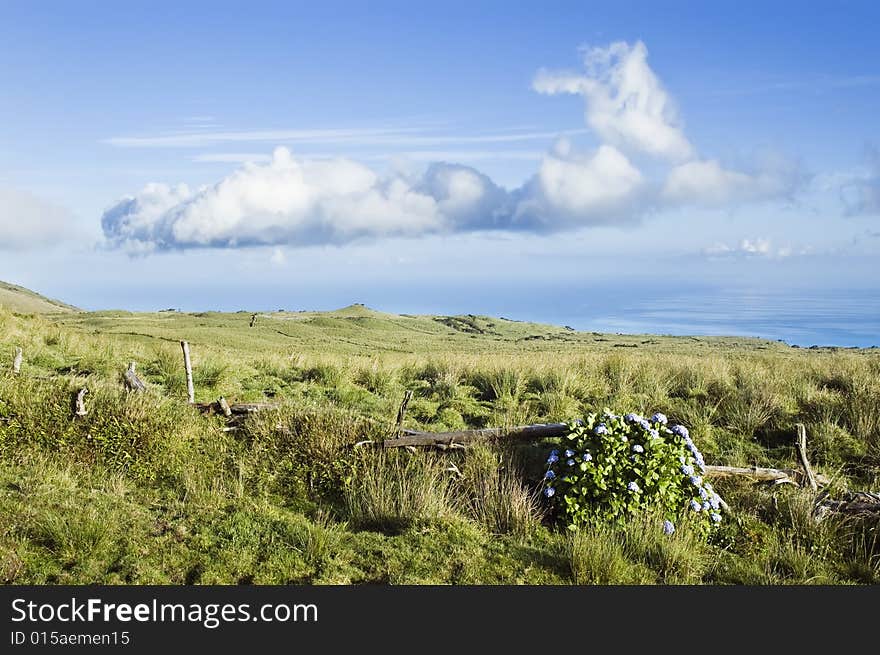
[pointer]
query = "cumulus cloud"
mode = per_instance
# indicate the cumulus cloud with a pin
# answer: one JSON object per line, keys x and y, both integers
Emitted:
{"x": 27, "y": 221}
{"x": 626, "y": 104}
{"x": 706, "y": 182}
{"x": 574, "y": 189}
{"x": 289, "y": 200}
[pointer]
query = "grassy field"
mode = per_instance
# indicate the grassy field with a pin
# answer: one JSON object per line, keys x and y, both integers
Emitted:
{"x": 144, "y": 489}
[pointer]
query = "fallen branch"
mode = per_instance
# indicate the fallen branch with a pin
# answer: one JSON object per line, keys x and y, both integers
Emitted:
{"x": 522, "y": 432}
{"x": 764, "y": 474}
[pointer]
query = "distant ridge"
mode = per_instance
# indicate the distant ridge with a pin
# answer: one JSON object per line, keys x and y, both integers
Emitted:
{"x": 18, "y": 299}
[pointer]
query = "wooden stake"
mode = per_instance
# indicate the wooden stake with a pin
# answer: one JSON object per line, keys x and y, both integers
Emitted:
{"x": 16, "y": 362}
{"x": 132, "y": 381}
{"x": 190, "y": 390}
{"x": 401, "y": 413}
{"x": 800, "y": 443}
{"x": 227, "y": 410}
{"x": 80, "y": 403}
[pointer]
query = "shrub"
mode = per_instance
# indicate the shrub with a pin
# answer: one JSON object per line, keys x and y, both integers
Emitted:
{"x": 613, "y": 467}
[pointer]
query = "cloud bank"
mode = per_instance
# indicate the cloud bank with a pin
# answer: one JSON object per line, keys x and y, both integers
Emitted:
{"x": 298, "y": 201}
{"x": 27, "y": 221}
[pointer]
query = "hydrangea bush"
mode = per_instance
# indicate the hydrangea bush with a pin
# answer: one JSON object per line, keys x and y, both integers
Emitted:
{"x": 611, "y": 466}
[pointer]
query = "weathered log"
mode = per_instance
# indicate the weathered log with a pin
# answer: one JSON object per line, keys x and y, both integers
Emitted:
{"x": 132, "y": 381}
{"x": 235, "y": 409}
{"x": 187, "y": 365}
{"x": 522, "y": 432}
{"x": 16, "y": 361}
{"x": 800, "y": 444}
{"x": 763, "y": 474}
{"x": 79, "y": 402}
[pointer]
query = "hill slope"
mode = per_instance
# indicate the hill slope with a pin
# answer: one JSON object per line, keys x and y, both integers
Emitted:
{"x": 25, "y": 301}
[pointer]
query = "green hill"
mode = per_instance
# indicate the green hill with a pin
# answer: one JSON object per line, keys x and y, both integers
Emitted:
{"x": 24, "y": 301}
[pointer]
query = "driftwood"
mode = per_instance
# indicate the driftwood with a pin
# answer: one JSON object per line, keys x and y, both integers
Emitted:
{"x": 187, "y": 365}
{"x": 16, "y": 361}
{"x": 522, "y": 432}
{"x": 132, "y": 381}
{"x": 79, "y": 403}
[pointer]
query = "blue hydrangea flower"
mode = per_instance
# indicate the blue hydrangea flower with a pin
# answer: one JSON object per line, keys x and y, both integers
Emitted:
{"x": 587, "y": 457}
{"x": 715, "y": 501}
{"x": 659, "y": 418}
{"x": 600, "y": 429}
{"x": 680, "y": 430}
{"x": 696, "y": 480}
{"x": 695, "y": 506}
{"x": 549, "y": 491}
{"x": 569, "y": 452}
{"x": 638, "y": 449}
{"x": 715, "y": 516}
{"x": 570, "y": 462}
{"x": 668, "y": 527}
{"x": 549, "y": 475}
{"x": 687, "y": 470}
{"x": 703, "y": 493}
{"x": 645, "y": 425}
{"x": 554, "y": 452}
{"x": 654, "y": 434}
{"x": 632, "y": 486}
{"x": 553, "y": 459}
{"x": 610, "y": 415}
{"x": 632, "y": 418}
{"x": 707, "y": 505}
{"x": 682, "y": 459}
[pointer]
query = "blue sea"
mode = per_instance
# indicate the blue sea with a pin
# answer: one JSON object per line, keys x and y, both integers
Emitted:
{"x": 844, "y": 318}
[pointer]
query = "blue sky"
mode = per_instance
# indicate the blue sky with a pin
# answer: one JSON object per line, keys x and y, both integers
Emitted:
{"x": 423, "y": 157}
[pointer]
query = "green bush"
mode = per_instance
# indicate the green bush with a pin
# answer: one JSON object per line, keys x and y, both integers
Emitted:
{"x": 613, "y": 467}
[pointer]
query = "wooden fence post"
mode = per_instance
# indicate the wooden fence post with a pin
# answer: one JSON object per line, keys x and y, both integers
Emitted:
{"x": 80, "y": 403}
{"x": 800, "y": 444}
{"x": 16, "y": 362}
{"x": 407, "y": 396}
{"x": 190, "y": 390}
{"x": 132, "y": 381}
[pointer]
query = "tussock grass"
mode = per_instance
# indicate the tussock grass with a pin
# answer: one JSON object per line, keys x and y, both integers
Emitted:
{"x": 394, "y": 491}
{"x": 145, "y": 489}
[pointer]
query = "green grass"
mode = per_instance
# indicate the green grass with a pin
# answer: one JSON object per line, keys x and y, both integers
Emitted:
{"x": 144, "y": 489}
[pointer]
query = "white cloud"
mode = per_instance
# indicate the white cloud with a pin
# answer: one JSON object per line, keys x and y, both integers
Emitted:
{"x": 626, "y": 104}
{"x": 577, "y": 189}
{"x": 284, "y": 200}
{"x": 860, "y": 192}
{"x": 758, "y": 247}
{"x": 27, "y": 221}
{"x": 706, "y": 182}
